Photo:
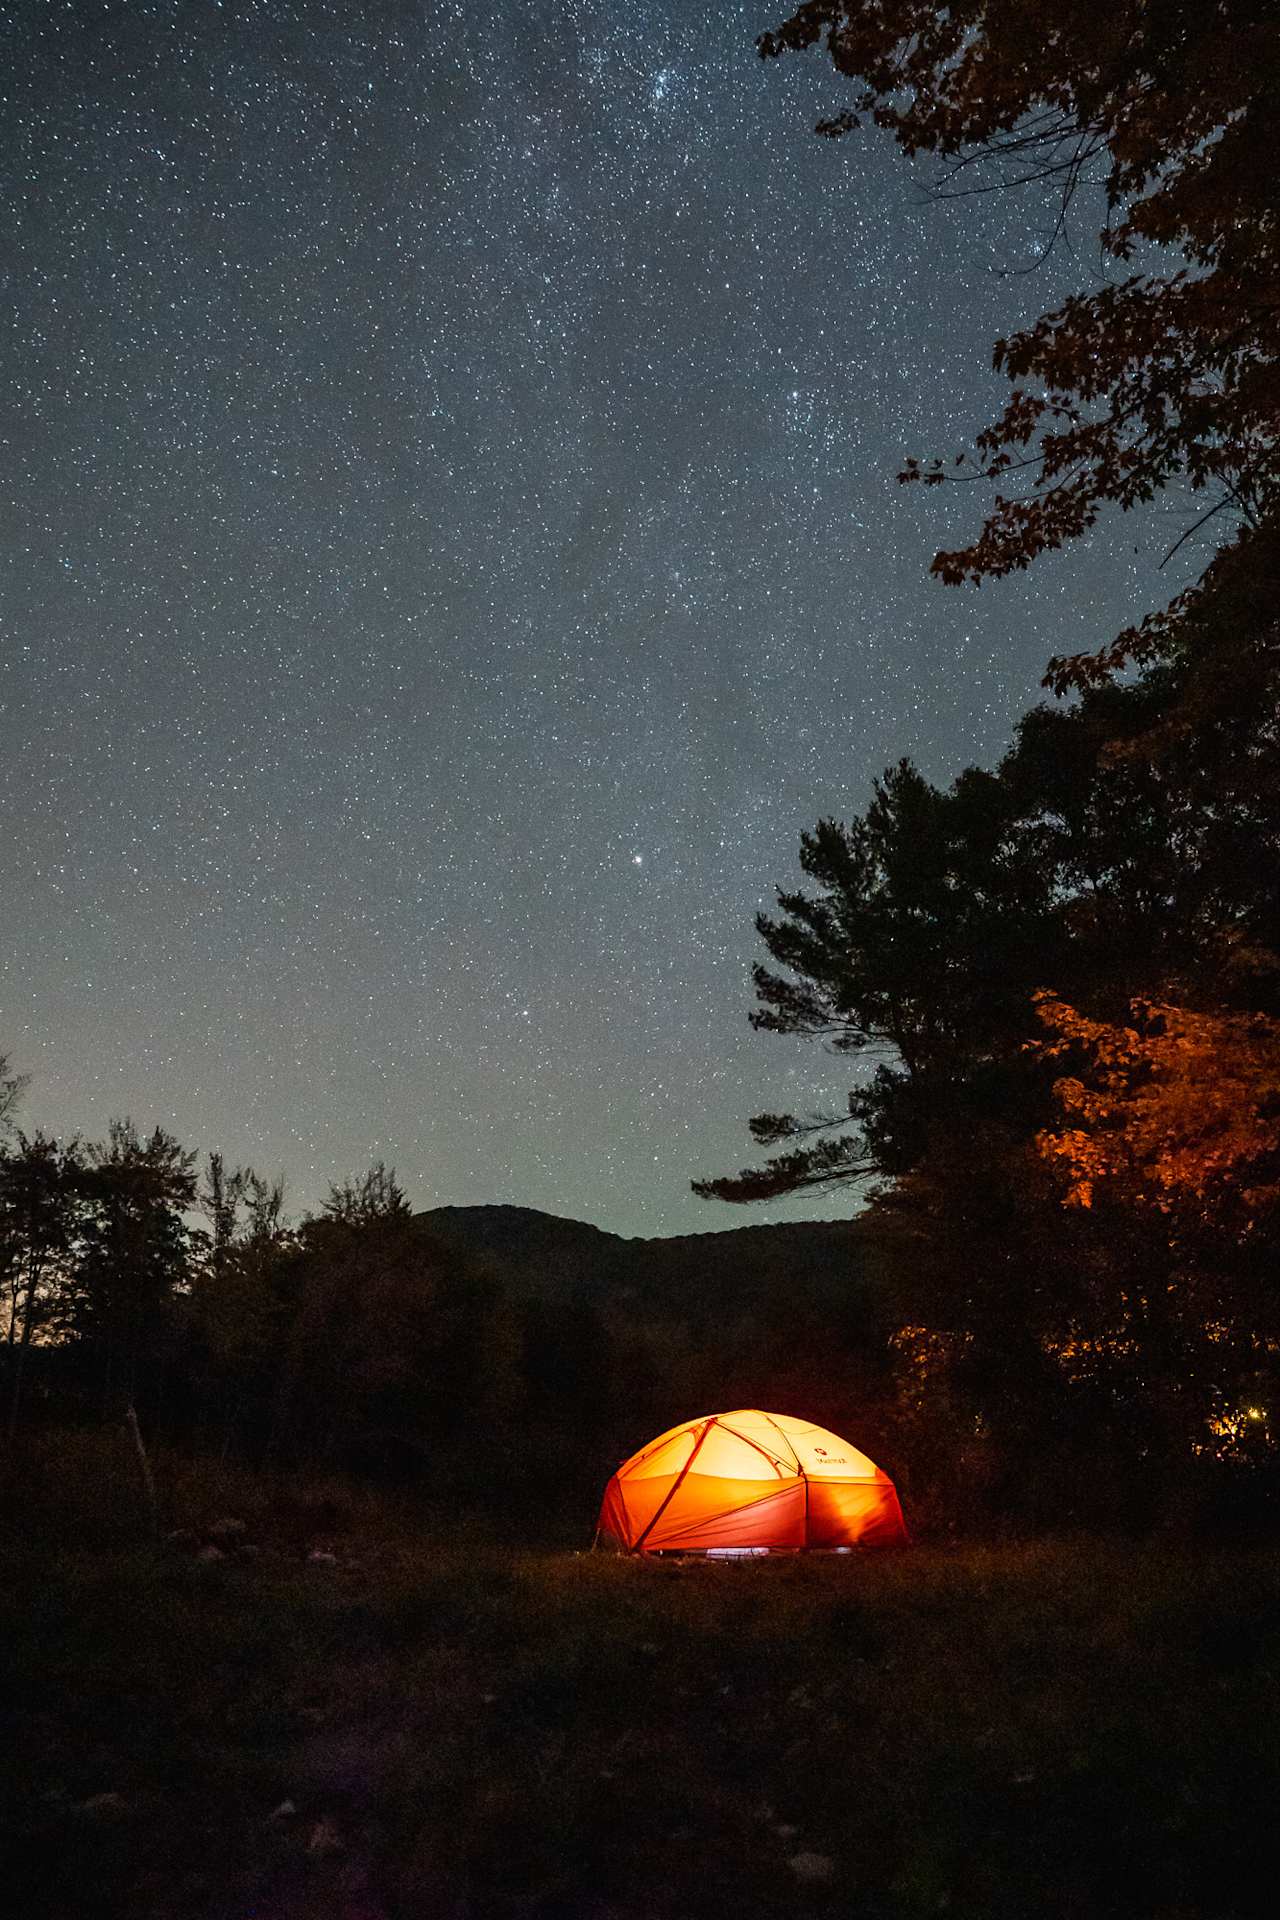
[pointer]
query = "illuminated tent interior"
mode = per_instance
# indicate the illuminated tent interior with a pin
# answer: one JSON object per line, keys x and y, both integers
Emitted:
{"x": 748, "y": 1482}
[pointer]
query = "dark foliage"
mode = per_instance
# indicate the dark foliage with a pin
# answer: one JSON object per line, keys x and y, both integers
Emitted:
{"x": 1169, "y": 374}
{"x": 1126, "y": 851}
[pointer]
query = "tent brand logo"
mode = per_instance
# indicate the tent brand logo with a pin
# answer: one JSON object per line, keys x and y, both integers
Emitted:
{"x": 822, "y": 1451}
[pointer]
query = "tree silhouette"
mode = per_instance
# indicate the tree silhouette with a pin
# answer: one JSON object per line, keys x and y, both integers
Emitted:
{"x": 937, "y": 915}
{"x": 375, "y": 1195}
{"x": 39, "y": 1211}
{"x": 133, "y": 1255}
{"x": 12, "y": 1087}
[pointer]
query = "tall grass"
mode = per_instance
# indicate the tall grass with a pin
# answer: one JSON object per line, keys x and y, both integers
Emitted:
{"x": 1070, "y": 1727}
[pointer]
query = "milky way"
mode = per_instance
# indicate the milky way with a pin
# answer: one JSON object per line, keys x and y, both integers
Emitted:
{"x": 452, "y": 551}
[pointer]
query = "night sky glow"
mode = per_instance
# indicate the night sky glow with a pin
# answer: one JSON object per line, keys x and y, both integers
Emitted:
{"x": 452, "y": 550}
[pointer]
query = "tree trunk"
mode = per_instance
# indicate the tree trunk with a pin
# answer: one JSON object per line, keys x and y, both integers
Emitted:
{"x": 144, "y": 1467}
{"x": 20, "y": 1358}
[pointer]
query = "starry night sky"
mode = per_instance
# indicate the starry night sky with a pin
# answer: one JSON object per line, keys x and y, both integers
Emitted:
{"x": 451, "y": 552}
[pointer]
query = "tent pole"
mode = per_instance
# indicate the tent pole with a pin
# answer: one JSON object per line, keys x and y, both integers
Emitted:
{"x": 799, "y": 1469}
{"x": 675, "y": 1487}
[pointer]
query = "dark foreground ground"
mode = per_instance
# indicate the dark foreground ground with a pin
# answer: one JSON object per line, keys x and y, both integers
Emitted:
{"x": 419, "y": 1724}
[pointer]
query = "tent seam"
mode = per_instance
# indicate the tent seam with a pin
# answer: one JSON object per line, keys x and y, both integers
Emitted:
{"x": 675, "y": 1486}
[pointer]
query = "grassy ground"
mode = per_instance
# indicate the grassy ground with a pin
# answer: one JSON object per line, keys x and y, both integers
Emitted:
{"x": 428, "y": 1725}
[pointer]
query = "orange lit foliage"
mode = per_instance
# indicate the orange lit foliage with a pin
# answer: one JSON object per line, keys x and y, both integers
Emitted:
{"x": 1169, "y": 1129}
{"x": 1177, "y": 1113}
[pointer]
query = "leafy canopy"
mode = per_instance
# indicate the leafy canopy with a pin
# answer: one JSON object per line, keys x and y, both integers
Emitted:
{"x": 1169, "y": 372}
{"x": 1176, "y": 1108}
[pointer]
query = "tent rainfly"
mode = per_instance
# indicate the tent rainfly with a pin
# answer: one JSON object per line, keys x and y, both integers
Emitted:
{"x": 749, "y": 1482}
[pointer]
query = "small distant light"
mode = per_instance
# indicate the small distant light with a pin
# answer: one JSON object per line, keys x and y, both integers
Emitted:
{"x": 637, "y": 859}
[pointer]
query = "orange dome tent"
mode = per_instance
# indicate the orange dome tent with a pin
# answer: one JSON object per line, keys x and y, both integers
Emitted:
{"x": 749, "y": 1481}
